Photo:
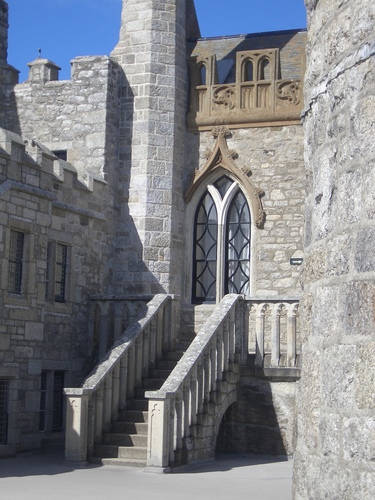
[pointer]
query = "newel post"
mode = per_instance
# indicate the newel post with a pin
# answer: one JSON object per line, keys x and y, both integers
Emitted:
{"x": 76, "y": 425}
{"x": 159, "y": 432}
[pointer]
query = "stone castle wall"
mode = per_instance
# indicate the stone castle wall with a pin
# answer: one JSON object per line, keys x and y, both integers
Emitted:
{"x": 336, "y": 442}
{"x": 78, "y": 115}
{"x": 41, "y": 197}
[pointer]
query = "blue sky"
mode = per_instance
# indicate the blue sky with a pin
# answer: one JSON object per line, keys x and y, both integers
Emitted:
{"x": 64, "y": 29}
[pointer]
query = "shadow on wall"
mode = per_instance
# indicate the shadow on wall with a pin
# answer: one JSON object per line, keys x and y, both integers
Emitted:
{"x": 251, "y": 425}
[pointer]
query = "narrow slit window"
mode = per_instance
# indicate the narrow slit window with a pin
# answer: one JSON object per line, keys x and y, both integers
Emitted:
{"x": 60, "y": 272}
{"x": 16, "y": 250}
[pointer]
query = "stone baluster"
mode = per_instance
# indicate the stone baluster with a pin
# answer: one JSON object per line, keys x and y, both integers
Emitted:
{"x": 213, "y": 366}
{"x": 123, "y": 375}
{"x": 193, "y": 395}
{"x": 179, "y": 421}
{"x": 107, "y": 400}
{"x": 260, "y": 324}
{"x": 159, "y": 332}
{"x": 226, "y": 345}
{"x": 152, "y": 342}
{"x": 220, "y": 354}
{"x": 138, "y": 361}
{"x": 207, "y": 375}
{"x": 200, "y": 384}
{"x": 291, "y": 335}
{"x": 232, "y": 334}
{"x": 115, "y": 391}
{"x": 275, "y": 340}
{"x": 98, "y": 414}
{"x": 186, "y": 408}
{"x": 146, "y": 352}
{"x": 131, "y": 372}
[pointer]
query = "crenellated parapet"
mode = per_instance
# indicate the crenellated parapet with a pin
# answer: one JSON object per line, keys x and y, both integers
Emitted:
{"x": 30, "y": 168}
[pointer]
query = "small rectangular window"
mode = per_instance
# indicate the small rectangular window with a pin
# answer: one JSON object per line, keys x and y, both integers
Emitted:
{"x": 62, "y": 154}
{"x": 60, "y": 272}
{"x": 16, "y": 249}
{"x": 56, "y": 273}
{"x": 4, "y": 394}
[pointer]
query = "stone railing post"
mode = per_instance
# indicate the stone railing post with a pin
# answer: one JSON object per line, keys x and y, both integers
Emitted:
{"x": 159, "y": 435}
{"x": 76, "y": 425}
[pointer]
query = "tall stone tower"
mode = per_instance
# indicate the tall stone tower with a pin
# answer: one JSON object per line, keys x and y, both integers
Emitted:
{"x": 336, "y": 428}
{"x": 3, "y": 31}
{"x": 152, "y": 53}
{"x": 8, "y": 74}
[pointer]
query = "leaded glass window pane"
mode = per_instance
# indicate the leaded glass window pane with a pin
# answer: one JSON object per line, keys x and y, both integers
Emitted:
{"x": 223, "y": 184}
{"x": 238, "y": 246}
{"x": 205, "y": 257}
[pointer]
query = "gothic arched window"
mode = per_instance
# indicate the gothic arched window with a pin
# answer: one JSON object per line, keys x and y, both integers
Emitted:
{"x": 222, "y": 236}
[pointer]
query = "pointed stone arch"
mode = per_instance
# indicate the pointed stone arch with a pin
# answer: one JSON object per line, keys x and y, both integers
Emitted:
{"x": 222, "y": 158}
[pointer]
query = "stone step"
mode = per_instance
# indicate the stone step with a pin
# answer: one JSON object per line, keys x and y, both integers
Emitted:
{"x": 125, "y": 439}
{"x": 123, "y": 462}
{"x": 152, "y": 384}
{"x": 129, "y": 428}
{"x": 173, "y": 355}
{"x": 137, "y": 405}
{"x": 159, "y": 374}
{"x": 139, "y": 452}
{"x": 127, "y": 452}
{"x": 133, "y": 416}
{"x": 166, "y": 364}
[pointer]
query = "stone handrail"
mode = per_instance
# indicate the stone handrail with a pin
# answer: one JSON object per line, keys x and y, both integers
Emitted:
{"x": 176, "y": 406}
{"x": 273, "y": 332}
{"x": 92, "y": 407}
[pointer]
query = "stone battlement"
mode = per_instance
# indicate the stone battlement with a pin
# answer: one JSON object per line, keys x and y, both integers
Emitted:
{"x": 21, "y": 155}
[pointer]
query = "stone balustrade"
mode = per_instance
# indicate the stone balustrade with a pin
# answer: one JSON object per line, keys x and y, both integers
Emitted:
{"x": 273, "y": 332}
{"x": 205, "y": 371}
{"x": 109, "y": 317}
{"x": 91, "y": 407}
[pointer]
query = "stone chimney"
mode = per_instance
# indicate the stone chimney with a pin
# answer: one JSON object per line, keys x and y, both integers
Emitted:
{"x": 42, "y": 71}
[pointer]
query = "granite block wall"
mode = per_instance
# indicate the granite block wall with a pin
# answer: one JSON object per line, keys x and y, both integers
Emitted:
{"x": 336, "y": 440}
{"x": 42, "y": 198}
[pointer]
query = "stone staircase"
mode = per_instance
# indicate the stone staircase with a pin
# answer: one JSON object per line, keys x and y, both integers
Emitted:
{"x": 126, "y": 442}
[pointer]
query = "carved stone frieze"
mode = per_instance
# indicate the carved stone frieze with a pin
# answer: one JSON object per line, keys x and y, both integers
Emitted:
{"x": 224, "y": 97}
{"x": 288, "y": 93}
{"x": 257, "y": 97}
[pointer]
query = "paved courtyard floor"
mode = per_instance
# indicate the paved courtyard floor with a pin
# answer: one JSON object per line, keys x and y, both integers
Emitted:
{"x": 45, "y": 477}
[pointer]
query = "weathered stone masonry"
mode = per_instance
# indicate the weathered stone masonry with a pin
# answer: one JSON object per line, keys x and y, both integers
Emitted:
{"x": 134, "y": 143}
{"x": 336, "y": 441}
{"x": 39, "y": 196}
